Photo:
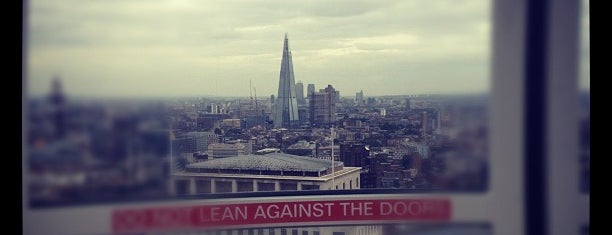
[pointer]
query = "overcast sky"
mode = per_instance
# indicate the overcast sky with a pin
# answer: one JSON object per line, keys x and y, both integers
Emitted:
{"x": 163, "y": 48}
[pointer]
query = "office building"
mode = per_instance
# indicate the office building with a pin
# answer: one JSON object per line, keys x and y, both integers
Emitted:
{"x": 201, "y": 140}
{"x": 353, "y": 154}
{"x": 359, "y": 98}
{"x": 311, "y": 89}
{"x": 323, "y": 106}
{"x": 222, "y": 150}
{"x": 299, "y": 91}
{"x": 263, "y": 172}
{"x": 286, "y": 109}
{"x": 425, "y": 125}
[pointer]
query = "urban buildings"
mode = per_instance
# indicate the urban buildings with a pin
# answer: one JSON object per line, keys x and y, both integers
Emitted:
{"x": 353, "y": 153}
{"x": 221, "y": 150}
{"x": 405, "y": 141}
{"x": 286, "y": 109}
{"x": 264, "y": 171}
{"x": 323, "y": 106}
{"x": 359, "y": 98}
{"x": 299, "y": 91}
{"x": 311, "y": 89}
{"x": 425, "y": 123}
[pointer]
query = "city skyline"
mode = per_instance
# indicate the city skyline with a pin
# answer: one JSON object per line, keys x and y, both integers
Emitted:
{"x": 190, "y": 48}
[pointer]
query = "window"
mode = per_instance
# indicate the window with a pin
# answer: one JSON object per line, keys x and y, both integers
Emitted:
{"x": 395, "y": 135}
{"x": 403, "y": 100}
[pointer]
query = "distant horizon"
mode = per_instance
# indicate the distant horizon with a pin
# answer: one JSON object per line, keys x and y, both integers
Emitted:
{"x": 170, "y": 48}
{"x": 40, "y": 96}
{"x": 187, "y": 48}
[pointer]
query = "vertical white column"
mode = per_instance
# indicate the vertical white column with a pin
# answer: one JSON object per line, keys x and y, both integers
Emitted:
{"x": 277, "y": 186}
{"x": 255, "y": 188}
{"x": 213, "y": 186}
{"x": 234, "y": 185}
{"x": 299, "y": 186}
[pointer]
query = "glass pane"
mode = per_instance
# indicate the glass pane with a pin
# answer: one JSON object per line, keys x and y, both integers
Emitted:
{"x": 133, "y": 100}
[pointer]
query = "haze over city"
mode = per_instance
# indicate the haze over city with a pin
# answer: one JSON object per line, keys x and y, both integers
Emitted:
{"x": 193, "y": 48}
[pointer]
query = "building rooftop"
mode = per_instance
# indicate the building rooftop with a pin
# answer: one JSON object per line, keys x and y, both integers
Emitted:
{"x": 302, "y": 145}
{"x": 267, "y": 162}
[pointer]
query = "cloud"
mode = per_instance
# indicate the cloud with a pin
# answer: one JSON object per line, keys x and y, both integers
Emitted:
{"x": 189, "y": 47}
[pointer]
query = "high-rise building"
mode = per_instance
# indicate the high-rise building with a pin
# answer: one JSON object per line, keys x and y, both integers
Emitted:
{"x": 425, "y": 125}
{"x": 359, "y": 98}
{"x": 299, "y": 91}
{"x": 286, "y": 109}
{"x": 323, "y": 106}
{"x": 311, "y": 89}
{"x": 337, "y": 96}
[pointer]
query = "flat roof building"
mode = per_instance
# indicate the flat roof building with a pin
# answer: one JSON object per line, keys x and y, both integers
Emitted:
{"x": 263, "y": 172}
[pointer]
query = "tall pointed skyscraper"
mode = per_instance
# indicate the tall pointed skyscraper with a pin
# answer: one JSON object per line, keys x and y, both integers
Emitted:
{"x": 286, "y": 109}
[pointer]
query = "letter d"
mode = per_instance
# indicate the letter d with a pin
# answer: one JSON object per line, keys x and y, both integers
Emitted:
{"x": 385, "y": 208}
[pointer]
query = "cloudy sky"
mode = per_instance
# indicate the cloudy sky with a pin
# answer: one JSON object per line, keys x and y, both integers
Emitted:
{"x": 163, "y": 48}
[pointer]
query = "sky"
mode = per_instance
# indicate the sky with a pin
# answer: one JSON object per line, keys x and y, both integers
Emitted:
{"x": 173, "y": 48}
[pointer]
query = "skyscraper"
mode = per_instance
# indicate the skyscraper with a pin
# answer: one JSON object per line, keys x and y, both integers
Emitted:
{"x": 323, "y": 106}
{"x": 299, "y": 91}
{"x": 311, "y": 89}
{"x": 359, "y": 98}
{"x": 425, "y": 125}
{"x": 286, "y": 110}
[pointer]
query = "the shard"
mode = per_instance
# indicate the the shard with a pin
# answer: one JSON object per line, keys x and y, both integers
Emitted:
{"x": 286, "y": 107}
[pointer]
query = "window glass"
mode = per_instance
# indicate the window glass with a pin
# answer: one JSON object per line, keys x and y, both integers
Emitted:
{"x": 133, "y": 100}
